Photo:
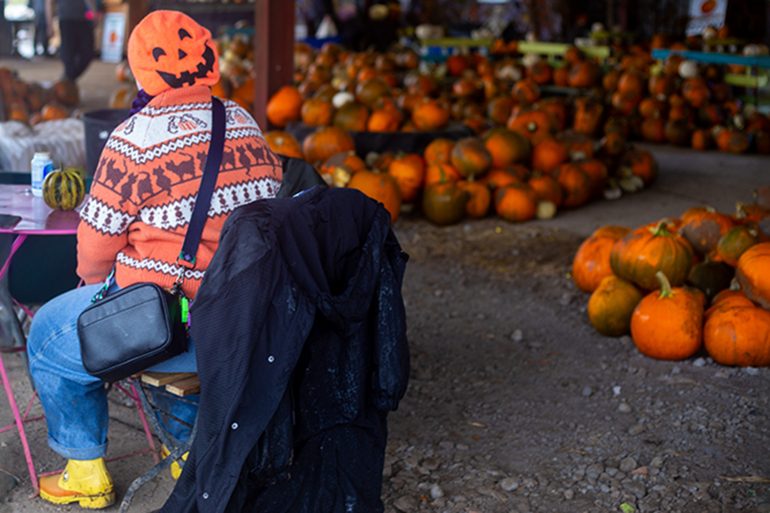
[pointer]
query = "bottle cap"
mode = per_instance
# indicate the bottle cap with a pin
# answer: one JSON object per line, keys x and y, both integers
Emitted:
{"x": 42, "y": 154}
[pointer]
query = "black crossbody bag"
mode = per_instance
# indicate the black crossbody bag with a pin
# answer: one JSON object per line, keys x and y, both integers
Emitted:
{"x": 143, "y": 324}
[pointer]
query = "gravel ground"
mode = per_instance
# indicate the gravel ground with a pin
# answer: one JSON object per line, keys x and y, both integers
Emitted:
{"x": 517, "y": 405}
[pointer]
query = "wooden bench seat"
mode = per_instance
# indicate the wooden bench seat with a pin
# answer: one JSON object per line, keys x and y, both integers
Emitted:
{"x": 177, "y": 383}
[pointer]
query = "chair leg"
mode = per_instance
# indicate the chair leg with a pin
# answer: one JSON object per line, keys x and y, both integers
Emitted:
{"x": 147, "y": 431}
{"x": 19, "y": 426}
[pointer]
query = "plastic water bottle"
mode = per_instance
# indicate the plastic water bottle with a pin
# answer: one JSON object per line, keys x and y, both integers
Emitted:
{"x": 40, "y": 166}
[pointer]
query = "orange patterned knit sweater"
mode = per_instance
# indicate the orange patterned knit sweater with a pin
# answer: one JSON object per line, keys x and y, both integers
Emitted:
{"x": 145, "y": 186}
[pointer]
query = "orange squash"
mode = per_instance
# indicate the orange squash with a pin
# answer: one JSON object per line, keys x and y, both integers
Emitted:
{"x": 409, "y": 172}
{"x": 753, "y": 273}
{"x": 507, "y": 175}
{"x": 703, "y": 227}
{"x": 352, "y": 117}
{"x": 546, "y": 189}
{"x": 592, "y": 260}
{"x": 317, "y": 112}
{"x": 668, "y": 324}
{"x": 535, "y": 125}
{"x": 284, "y": 106}
{"x": 439, "y": 151}
{"x": 479, "y": 198}
{"x": 325, "y": 142}
{"x": 443, "y": 203}
{"x": 738, "y": 335}
{"x": 575, "y": 184}
{"x": 516, "y": 202}
{"x": 639, "y": 255}
{"x": 549, "y": 154}
{"x": 430, "y": 116}
{"x": 611, "y": 306}
{"x": 470, "y": 157}
{"x": 380, "y": 187}
{"x": 506, "y": 146}
{"x": 283, "y": 143}
{"x": 641, "y": 163}
{"x": 440, "y": 173}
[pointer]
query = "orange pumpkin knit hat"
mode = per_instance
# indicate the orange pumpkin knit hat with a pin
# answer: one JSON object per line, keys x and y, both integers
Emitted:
{"x": 169, "y": 50}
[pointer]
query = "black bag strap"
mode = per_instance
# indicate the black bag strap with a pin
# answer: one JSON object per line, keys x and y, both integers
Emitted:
{"x": 200, "y": 213}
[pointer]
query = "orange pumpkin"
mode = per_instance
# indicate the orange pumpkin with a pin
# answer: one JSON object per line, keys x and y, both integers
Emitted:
{"x": 347, "y": 159}
{"x": 575, "y": 184}
{"x": 409, "y": 172}
{"x": 526, "y": 91}
{"x": 507, "y": 175}
{"x": 470, "y": 157}
{"x": 668, "y": 324}
{"x": 370, "y": 91}
{"x": 546, "y": 189}
{"x": 597, "y": 173}
{"x": 479, "y": 198}
{"x": 753, "y": 273}
{"x": 499, "y": 109}
{"x": 732, "y": 141}
{"x": 440, "y": 173}
{"x": 611, "y": 306}
{"x": 516, "y": 202}
{"x": 66, "y": 92}
{"x": 631, "y": 84}
{"x": 439, "y": 151}
{"x": 592, "y": 260}
{"x": 506, "y": 146}
{"x": 540, "y": 72}
{"x": 380, "y": 187}
{"x": 283, "y": 143}
{"x": 317, "y": 112}
{"x": 584, "y": 74}
{"x": 703, "y": 227}
{"x": 325, "y": 142}
{"x": 352, "y": 116}
{"x": 588, "y": 116}
{"x": 284, "y": 106}
{"x": 695, "y": 91}
{"x": 386, "y": 119}
{"x": 738, "y": 335}
{"x": 430, "y": 116}
{"x": 700, "y": 140}
{"x": 535, "y": 125}
{"x": 549, "y": 154}
{"x": 654, "y": 130}
{"x": 639, "y": 255}
{"x": 52, "y": 111}
{"x": 641, "y": 163}
{"x": 557, "y": 108}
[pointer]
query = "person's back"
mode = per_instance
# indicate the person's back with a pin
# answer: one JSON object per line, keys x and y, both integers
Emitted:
{"x": 134, "y": 221}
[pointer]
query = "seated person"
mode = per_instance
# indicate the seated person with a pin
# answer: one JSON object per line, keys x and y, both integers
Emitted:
{"x": 134, "y": 222}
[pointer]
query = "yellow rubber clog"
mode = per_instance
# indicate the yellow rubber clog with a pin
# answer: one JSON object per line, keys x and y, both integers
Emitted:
{"x": 86, "y": 482}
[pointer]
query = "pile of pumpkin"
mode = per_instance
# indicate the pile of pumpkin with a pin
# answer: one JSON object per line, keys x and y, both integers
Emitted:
{"x": 32, "y": 103}
{"x": 681, "y": 285}
{"x": 520, "y": 177}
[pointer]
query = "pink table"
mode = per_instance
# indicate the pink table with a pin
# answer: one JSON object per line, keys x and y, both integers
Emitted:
{"x": 36, "y": 219}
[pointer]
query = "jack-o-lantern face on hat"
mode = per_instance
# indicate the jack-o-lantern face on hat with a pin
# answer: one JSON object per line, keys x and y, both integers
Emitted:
{"x": 169, "y": 50}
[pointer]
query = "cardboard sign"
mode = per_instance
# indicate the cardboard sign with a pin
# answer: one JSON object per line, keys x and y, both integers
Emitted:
{"x": 113, "y": 36}
{"x": 705, "y": 13}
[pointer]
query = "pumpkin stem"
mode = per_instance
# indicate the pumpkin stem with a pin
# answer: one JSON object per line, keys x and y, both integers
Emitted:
{"x": 665, "y": 285}
{"x": 661, "y": 229}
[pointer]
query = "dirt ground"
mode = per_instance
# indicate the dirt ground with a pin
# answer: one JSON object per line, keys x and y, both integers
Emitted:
{"x": 515, "y": 404}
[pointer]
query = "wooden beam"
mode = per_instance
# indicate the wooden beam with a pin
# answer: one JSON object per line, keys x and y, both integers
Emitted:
{"x": 273, "y": 51}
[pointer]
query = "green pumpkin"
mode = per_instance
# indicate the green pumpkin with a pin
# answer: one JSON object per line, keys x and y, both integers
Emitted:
{"x": 735, "y": 242}
{"x": 64, "y": 190}
{"x": 444, "y": 203}
{"x": 611, "y": 306}
{"x": 711, "y": 278}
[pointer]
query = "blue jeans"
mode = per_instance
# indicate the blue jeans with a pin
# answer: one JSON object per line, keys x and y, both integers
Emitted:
{"x": 75, "y": 403}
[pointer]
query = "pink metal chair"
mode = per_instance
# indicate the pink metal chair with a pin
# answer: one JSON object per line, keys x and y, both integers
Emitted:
{"x": 21, "y": 418}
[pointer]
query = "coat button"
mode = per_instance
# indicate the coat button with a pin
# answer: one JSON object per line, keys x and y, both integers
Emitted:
{"x": 234, "y": 425}
{"x": 205, "y": 495}
{"x": 271, "y": 359}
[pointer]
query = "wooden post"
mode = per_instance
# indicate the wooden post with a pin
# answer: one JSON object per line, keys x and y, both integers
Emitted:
{"x": 273, "y": 51}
